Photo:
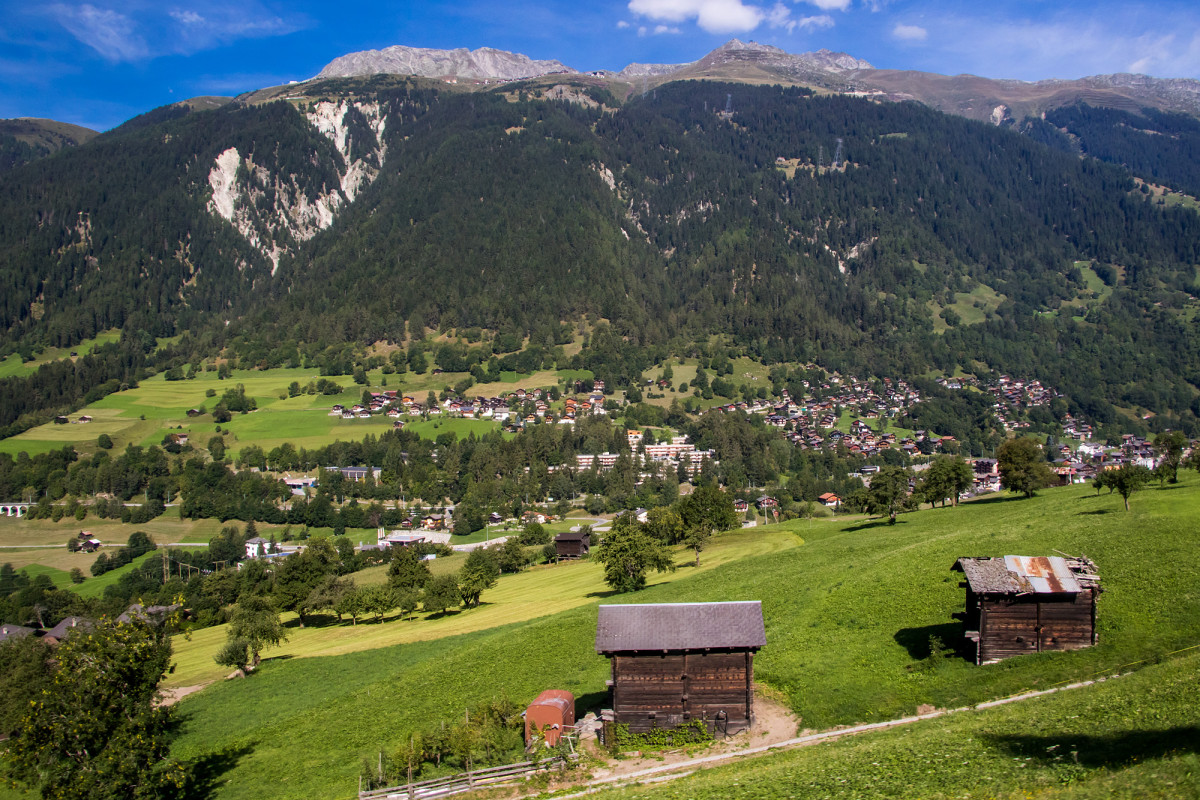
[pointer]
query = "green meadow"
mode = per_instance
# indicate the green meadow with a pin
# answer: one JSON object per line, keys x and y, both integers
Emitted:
{"x": 850, "y": 607}
{"x": 972, "y": 307}
{"x": 144, "y": 415}
{"x": 13, "y": 365}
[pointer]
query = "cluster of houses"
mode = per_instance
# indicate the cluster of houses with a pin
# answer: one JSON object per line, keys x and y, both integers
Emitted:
{"x": 517, "y": 408}
{"x": 1090, "y": 458}
{"x": 1012, "y": 395}
{"x": 811, "y": 422}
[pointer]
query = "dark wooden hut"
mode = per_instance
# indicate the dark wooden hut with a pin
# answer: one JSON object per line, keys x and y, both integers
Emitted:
{"x": 675, "y": 662}
{"x": 572, "y": 544}
{"x": 1023, "y": 604}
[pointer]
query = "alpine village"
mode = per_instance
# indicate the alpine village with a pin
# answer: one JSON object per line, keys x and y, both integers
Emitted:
{"x": 452, "y": 423}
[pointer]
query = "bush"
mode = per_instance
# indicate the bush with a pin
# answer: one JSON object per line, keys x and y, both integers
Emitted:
{"x": 234, "y": 653}
{"x": 692, "y": 732}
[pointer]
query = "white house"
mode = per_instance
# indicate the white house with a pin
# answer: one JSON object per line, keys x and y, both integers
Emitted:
{"x": 257, "y": 547}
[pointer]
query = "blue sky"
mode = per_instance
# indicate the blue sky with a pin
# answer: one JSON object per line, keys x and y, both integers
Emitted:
{"x": 100, "y": 62}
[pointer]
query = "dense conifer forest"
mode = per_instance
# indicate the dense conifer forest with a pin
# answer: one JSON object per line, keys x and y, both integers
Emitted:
{"x": 831, "y": 230}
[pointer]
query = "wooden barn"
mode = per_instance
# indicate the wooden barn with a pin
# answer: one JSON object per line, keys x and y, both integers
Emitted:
{"x": 572, "y": 544}
{"x": 675, "y": 662}
{"x": 1024, "y": 604}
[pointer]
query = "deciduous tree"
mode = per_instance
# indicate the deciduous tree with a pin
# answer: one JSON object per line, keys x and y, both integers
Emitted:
{"x": 888, "y": 492}
{"x": 1126, "y": 480}
{"x": 628, "y": 553}
{"x": 256, "y": 620}
{"x": 478, "y": 573}
{"x": 440, "y": 593}
{"x": 1022, "y": 466}
{"x": 100, "y": 732}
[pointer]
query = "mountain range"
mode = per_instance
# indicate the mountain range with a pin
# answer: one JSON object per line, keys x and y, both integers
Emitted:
{"x": 966, "y": 95}
{"x": 778, "y": 204}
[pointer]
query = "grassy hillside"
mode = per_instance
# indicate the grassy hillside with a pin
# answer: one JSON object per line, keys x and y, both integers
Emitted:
{"x": 849, "y": 615}
{"x": 1133, "y": 737}
{"x": 534, "y": 593}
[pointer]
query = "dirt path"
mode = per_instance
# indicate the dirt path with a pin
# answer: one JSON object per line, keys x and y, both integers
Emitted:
{"x": 774, "y": 723}
{"x": 172, "y": 696}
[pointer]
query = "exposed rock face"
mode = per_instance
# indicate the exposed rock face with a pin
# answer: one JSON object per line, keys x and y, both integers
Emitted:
{"x": 649, "y": 70}
{"x": 485, "y": 62}
{"x": 1176, "y": 94}
{"x": 736, "y": 52}
{"x": 332, "y": 119}
{"x": 773, "y": 58}
{"x": 272, "y": 211}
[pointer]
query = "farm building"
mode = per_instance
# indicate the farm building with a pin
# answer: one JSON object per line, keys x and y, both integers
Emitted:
{"x": 572, "y": 544}
{"x": 1023, "y": 604}
{"x": 549, "y": 715}
{"x": 676, "y": 662}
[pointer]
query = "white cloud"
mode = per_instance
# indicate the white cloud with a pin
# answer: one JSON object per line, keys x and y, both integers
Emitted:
{"x": 109, "y": 33}
{"x": 661, "y": 29}
{"x": 830, "y": 5}
{"x": 714, "y": 16}
{"x": 622, "y": 24}
{"x": 910, "y": 33}
{"x": 187, "y": 17}
{"x": 1070, "y": 46}
{"x": 143, "y": 29}
{"x": 780, "y": 16}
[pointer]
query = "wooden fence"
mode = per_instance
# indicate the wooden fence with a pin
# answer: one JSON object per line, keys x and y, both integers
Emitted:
{"x": 462, "y": 782}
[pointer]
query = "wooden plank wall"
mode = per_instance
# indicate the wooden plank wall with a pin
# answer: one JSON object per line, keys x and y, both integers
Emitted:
{"x": 665, "y": 690}
{"x": 577, "y": 549}
{"x": 1015, "y": 626}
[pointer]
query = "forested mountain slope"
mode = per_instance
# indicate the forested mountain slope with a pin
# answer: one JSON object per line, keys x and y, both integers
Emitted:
{"x": 884, "y": 238}
{"x": 25, "y": 140}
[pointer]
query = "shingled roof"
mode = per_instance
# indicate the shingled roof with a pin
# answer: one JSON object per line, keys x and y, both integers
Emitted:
{"x": 680, "y": 626}
{"x": 14, "y": 632}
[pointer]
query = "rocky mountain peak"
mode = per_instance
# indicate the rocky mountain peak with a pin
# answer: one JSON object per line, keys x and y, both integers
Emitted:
{"x": 484, "y": 63}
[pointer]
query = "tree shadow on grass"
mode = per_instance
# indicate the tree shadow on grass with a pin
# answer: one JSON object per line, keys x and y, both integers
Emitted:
{"x": 449, "y": 612}
{"x": 603, "y": 593}
{"x": 998, "y": 498}
{"x": 207, "y": 770}
{"x": 919, "y": 642}
{"x": 1094, "y": 513}
{"x": 274, "y": 659}
{"x": 313, "y": 621}
{"x": 1114, "y": 749}
{"x": 875, "y": 523}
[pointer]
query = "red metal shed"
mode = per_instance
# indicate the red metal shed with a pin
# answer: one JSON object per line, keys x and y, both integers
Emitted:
{"x": 552, "y": 711}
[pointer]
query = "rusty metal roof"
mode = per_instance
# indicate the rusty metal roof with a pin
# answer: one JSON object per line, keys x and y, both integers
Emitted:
{"x": 1044, "y": 574}
{"x": 1028, "y": 574}
{"x": 680, "y": 626}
